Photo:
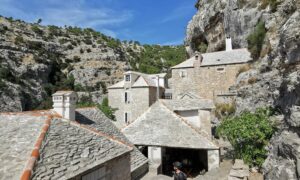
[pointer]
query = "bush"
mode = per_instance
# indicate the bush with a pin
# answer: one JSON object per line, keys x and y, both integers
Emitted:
{"x": 37, "y": 30}
{"x": 85, "y": 101}
{"x": 249, "y": 134}
{"x": 76, "y": 58}
{"x": 202, "y": 47}
{"x": 224, "y": 110}
{"x": 88, "y": 50}
{"x": 107, "y": 110}
{"x": 19, "y": 40}
{"x": 255, "y": 40}
{"x": 54, "y": 31}
{"x": 81, "y": 51}
{"x": 70, "y": 46}
{"x": 273, "y": 4}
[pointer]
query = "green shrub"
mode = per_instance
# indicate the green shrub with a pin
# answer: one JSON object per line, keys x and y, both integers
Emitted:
{"x": 76, "y": 58}
{"x": 37, "y": 30}
{"x": 88, "y": 50}
{"x": 54, "y": 30}
{"x": 107, "y": 110}
{"x": 224, "y": 110}
{"x": 19, "y": 40}
{"x": 85, "y": 101}
{"x": 202, "y": 47}
{"x": 256, "y": 39}
{"x": 249, "y": 134}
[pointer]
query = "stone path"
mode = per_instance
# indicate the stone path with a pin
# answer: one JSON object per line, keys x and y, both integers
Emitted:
{"x": 220, "y": 173}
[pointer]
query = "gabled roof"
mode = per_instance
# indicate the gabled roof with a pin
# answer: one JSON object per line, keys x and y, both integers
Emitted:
{"x": 65, "y": 93}
{"x": 166, "y": 130}
{"x": 70, "y": 150}
{"x": 94, "y": 118}
{"x": 64, "y": 149}
{"x": 235, "y": 56}
{"x": 189, "y": 104}
{"x": 144, "y": 80}
{"x": 117, "y": 85}
{"x": 18, "y": 134}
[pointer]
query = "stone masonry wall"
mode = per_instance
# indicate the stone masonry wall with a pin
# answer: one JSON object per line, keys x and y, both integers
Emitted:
{"x": 118, "y": 168}
{"x": 205, "y": 81}
{"x": 140, "y": 102}
{"x": 116, "y": 100}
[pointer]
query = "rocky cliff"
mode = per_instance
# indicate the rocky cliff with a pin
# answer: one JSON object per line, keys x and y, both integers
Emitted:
{"x": 37, "y": 60}
{"x": 274, "y": 79}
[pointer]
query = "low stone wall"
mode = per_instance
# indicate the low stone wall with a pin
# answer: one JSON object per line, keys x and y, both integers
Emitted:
{"x": 239, "y": 171}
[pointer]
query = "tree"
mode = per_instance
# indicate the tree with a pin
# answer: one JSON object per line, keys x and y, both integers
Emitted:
{"x": 39, "y": 21}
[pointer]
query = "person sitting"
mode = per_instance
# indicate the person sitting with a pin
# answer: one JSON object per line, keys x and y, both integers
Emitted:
{"x": 178, "y": 174}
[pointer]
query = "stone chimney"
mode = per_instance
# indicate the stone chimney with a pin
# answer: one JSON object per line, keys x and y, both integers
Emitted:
{"x": 197, "y": 59}
{"x": 228, "y": 44}
{"x": 64, "y": 103}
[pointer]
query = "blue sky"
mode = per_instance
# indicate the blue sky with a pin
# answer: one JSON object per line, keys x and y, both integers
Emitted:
{"x": 148, "y": 21}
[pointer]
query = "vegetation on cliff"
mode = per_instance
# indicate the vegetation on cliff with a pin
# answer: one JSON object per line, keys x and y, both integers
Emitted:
{"x": 249, "y": 133}
{"x": 256, "y": 39}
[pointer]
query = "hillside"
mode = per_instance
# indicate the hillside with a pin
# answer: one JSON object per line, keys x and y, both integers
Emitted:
{"x": 271, "y": 31}
{"x": 37, "y": 60}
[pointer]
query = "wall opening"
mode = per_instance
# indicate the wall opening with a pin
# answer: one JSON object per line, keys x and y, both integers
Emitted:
{"x": 194, "y": 161}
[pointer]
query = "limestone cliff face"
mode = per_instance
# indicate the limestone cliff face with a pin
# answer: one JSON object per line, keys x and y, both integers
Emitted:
{"x": 35, "y": 58}
{"x": 275, "y": 75}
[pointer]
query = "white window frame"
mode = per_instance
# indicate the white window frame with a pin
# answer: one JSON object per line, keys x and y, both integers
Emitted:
{"x": 183, "y": 74}
{"x": 127, "y": 78}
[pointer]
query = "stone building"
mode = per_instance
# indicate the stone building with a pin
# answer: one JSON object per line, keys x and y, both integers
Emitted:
{"x": 47, "y": 145}
{"x": 210, "y": 74}
{"x": 135, "y": 94}
{"x": 172, "y": 131}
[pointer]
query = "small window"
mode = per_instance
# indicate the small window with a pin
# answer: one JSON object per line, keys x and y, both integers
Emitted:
{"x": 220, "y": 69}
{"x": 126, "y": 97}
{"x": 183, "y": 74}
{"x": 126, "y": 117}
{"x": 127, "y": 77}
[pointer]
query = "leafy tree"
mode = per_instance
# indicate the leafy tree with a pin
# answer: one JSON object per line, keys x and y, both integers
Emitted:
{"x": 39, "y": 21}
{"x": 249, "y": 134}
{"x": 107, "y": 110}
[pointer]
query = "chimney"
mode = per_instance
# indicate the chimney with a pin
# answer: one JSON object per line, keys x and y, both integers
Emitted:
{"x": 157, "y": 91}
{"x": 64, "y": 103}
{"x": 198, "y": 59}
{"x": 228, "y": 44}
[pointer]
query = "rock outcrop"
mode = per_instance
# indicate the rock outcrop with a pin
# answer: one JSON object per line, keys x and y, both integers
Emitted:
{"x": 275, "y": 75}
{"x": 37, "y": 60}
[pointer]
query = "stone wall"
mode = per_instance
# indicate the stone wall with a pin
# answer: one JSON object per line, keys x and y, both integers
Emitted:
{"x": 207, "y": 81}
{"x": 140, "y": 99}
{"x": 118, "y": 168}
{"x": 116, "y": 100}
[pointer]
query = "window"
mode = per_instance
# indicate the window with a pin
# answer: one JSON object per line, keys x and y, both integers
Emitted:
{"x": 127, "y": 77}
{"x": 183, "y": 74}
{"x": 220, "y": 69}
{"x": 126, "y": 97}
{"x": 126, "y": 117}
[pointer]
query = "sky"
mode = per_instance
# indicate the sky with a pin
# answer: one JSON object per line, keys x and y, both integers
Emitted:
{"x": 147, "y": 21}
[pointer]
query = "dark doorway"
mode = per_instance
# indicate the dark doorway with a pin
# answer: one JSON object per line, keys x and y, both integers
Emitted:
{"x": 193, "y": 161}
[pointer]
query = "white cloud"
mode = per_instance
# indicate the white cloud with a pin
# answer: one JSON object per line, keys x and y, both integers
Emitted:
{"x": 68, "y": 12}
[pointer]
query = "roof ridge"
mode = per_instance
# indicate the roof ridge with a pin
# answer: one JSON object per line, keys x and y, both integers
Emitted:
{"x": 144, "y": 114}
{"x": 27, "y": 172}
{"x": 99, "y": 133}
{"x": 189, "y": 125}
